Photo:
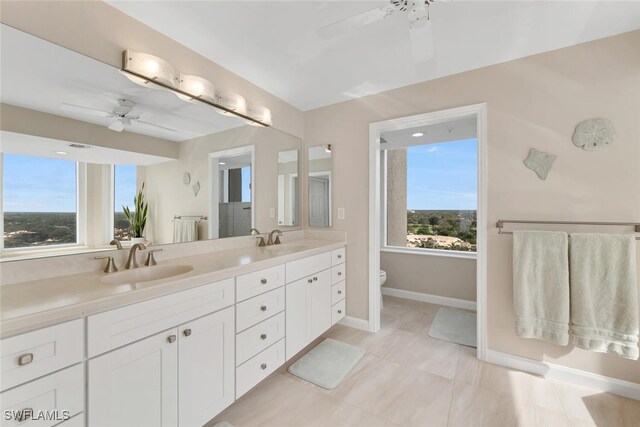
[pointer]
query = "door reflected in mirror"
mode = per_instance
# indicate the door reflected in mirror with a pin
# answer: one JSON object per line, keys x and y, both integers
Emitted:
{"x": 288, "y": 187}
{"x": 319, "y": 178}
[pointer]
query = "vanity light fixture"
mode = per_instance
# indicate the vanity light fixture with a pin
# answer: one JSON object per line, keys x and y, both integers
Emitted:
{"x": 149, "y": 70}
{"x": 260, "y": 113}
{"x": 417, "y": 134}
{"x": 327, "y": 148}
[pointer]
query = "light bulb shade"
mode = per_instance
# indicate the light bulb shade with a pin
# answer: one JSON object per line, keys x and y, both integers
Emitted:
{"x": 233, "y": 102}
{"x": 198, "y": 87}
{"x": 259, "y": 113}
{"x": 150, "y": 67}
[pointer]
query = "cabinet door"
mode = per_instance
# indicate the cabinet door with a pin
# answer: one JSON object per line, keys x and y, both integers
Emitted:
{"x": 320, "y": 304}
{"x": 206, "y": 367}
{"x": 136, "y": 385}
{"x": 298, "y": 316}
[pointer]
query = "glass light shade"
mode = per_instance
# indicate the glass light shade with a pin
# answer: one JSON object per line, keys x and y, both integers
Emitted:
{"x": 198, "y": 87}
{"x": 260, "y": 113}
{"x": 150, "y": 67}
{"x": 233, "y": 102}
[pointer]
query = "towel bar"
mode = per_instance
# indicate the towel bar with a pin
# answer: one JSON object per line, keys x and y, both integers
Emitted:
{"x": 199, "y": 217}
{"x": 500, "y": 224}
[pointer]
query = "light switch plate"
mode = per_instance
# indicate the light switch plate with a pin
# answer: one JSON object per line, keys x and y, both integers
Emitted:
{"x": 272, "y": 212}
{"x": 340, "y": 213}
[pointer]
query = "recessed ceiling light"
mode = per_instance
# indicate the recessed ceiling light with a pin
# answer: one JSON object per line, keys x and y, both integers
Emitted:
{"x": 417, "y": 134}
{"x": 222, "y": 163}
{"x": 62, "y": 153}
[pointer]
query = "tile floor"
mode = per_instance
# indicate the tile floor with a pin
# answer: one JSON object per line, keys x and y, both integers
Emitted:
{"x": 409, "y": 379}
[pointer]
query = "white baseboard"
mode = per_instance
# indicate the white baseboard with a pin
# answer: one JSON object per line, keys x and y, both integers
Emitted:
{"x": 355, "y": 322}
{"x": 563, "y": 373}
{"x": 433, "y": 299}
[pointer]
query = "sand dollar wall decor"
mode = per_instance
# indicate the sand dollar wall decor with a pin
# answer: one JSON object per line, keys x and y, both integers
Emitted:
{"x": 539, "y": 162}
{"x": 594, "y": 134}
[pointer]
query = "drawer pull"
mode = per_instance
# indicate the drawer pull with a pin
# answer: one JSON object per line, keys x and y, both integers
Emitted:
{"x": 315, "y": 279}
{"x": 25, "y": 359}
{"x": 339, "y": 292}
{"x": 339, "y": 311}
{"x": 187, "y": 332}
{"x": 339, "y": 273}
{"x": 263, "y": 366}
{"x": 24, "y": 414}
{"x": 172, "y": 338}
{"x": 263, "y": 281}
{"x": 310, "y": 280}
{"x": 263, "y": 308}
{"x": 263, "y": 336}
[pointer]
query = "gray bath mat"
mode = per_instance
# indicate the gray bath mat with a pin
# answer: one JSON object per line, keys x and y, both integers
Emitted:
{"x": 456, "y": 326}
{"x": 327, "y": 364}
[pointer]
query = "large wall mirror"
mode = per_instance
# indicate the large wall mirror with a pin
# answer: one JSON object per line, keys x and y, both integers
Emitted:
{"x": 319, "y": 181}
{"x": 79, "y": 139}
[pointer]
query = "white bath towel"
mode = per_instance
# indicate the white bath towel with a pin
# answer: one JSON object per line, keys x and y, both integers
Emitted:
{"x": 604, "y": 293}
{"x": 185, "y": 230}
{"x": 541, "y": 285}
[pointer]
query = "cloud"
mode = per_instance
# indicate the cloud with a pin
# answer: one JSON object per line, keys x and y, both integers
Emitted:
{"x": 431, "y": 149}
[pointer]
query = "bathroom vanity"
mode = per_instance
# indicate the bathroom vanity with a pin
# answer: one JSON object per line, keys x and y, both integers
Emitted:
{"x": 169, "y": 351}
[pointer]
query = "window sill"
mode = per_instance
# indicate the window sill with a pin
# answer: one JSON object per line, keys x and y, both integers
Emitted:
{"x": 21, "y": 254}
{"x": 430, "y": 252}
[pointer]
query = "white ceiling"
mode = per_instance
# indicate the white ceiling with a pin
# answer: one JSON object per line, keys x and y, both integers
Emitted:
{"x": 274, "y": 44}
{"x": 455, "y": 130}
{"x": 40, "y": 75}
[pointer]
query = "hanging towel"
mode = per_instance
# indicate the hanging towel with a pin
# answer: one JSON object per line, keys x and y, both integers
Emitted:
{"x": 541, "y": 285}
{"x": 185, "y": 230}
{"x": 604, "y": 293}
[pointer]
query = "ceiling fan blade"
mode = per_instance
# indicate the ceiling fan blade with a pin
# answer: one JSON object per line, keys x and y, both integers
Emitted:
{"x": 142, "y": 122}
{"x": 117, "y": 125}
{"x": 85, "y": 110}
{"x": 422, "y": 42}
{"x": 360, "y": 20}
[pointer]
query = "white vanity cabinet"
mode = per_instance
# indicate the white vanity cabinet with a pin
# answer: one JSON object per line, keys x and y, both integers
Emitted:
{"x": 308, "y": 305}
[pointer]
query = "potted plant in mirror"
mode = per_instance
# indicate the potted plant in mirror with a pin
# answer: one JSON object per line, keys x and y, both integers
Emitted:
{"x": 137, "y": 219}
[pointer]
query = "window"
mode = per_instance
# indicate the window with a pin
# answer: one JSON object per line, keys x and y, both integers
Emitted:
{"x": 40, "y": 201}
{"x": 124, "y": 191}
{"x": 431, "y": 196}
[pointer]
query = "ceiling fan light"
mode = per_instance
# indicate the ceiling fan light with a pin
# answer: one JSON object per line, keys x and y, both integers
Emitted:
{"x": 198, "y": 87}
{"x": 149, "y": 67}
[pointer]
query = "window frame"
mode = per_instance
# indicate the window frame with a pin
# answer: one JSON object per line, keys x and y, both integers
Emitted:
{"x": 384, "y": 247}
{"x": 81, "y": 213}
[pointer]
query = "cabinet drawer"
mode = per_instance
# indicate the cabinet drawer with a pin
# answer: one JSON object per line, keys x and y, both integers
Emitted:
{"x": 34, "y": 354}
{"x": 55, "y": 393}
{"x": 338, "y": 273}
{"x": 306, "y": 266}
{"x": 259, "y": 368}
{"x": 338, "y": 292}
{"x": 115, "y": 328}
{"x": 338, "y": 312}
{"x": 257, "y": 309}
{"x": 255, "y": 339}
{"x": 259, "y": 282}
{"x": 338, "y": 256}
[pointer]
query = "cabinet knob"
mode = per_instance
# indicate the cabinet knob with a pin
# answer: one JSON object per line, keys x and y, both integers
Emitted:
{"x": 263, "y": 281}
{"x": 315, "y": 279}
{"x": 263, "y": 308}
{"x": 186, "y": 332}
{"x": 339, "y": 256}
{"x": 310, "y": 280}
{"x": 339, "y": 273}
{"x": 263, "y": 336}
{"x": 339, "y": 292}
{"x": 25, "y": 359}
{"x": 339, "y": 311}
{"x": 172, "y": 338}
{"x": 263, "y": 366}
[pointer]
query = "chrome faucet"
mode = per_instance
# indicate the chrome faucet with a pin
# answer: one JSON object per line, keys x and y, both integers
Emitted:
{"x": 117, "y": 243}
{"x": 131, "y": 261}
{"x": 254, "y": 231}
{"x": 270, "y": 241}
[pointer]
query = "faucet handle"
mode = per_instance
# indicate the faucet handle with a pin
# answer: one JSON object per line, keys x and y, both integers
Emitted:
{"x": 261, "y": 243}
{"x": 150, "y": 259}
{"x": 111, "y": 265}
{"x": 277, "y": 242}
{"x": 117, "y": 243}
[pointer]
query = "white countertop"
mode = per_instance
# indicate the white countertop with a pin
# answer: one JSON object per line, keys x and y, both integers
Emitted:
{"x": 30, "y": 305}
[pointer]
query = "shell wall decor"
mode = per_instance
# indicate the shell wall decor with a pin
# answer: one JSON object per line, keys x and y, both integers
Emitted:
{"x": 539, "y": 162}
{"x": 594, "y": 134}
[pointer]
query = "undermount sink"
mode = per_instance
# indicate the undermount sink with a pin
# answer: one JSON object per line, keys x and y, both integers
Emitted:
{"x": 145, "y": 274}
{"x": 287, "y": 247}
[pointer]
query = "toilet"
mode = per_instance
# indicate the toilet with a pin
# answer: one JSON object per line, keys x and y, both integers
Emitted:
{"x": 383, "y": 278}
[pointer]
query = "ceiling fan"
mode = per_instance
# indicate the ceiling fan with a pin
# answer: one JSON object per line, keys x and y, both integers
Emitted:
{"x": 417, "y": 12}
{"x": 122, "y": 114}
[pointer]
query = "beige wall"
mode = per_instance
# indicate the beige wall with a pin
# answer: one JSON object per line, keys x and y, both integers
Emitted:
{"x": 95, "y": 29}
{"x": 532, "y": 102}
{"x": 435, "y": 275}
{"x": 397, "y": 200}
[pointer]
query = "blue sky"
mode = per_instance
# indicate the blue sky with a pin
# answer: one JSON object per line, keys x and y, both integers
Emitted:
{"x": 37, "y": 184}
{"x": 442, "y": 176}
